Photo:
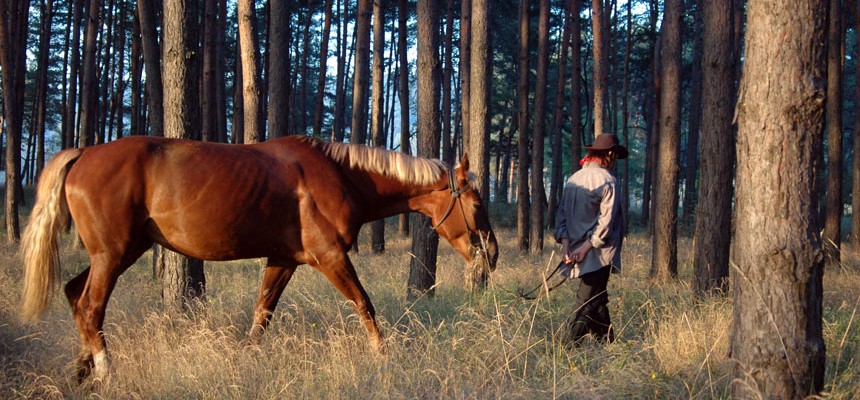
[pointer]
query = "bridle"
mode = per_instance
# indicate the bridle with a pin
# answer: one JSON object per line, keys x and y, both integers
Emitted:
{"x": 456, "y": 192}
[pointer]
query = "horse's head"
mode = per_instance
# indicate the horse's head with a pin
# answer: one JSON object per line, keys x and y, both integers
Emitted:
{"x": 461, "y": 218}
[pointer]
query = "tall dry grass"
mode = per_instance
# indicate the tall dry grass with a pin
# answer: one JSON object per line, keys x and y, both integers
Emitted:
{"x": 451, "y": 346}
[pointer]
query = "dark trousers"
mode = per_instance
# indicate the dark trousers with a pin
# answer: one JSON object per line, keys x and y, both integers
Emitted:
{"x": 590, "y": 312}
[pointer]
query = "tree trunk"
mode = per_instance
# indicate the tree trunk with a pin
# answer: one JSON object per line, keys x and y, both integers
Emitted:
{"x": 403, "y": 93}
{"x": 465, "y": 68}
{"x": 833, "y": 212}
{"x": 601, "y": 66}
{"x": 536, "y": 184}
{"x": 651, "y": 113}
{"x": 318, "y": 107}
{"x": 575, "y": 87}
{"x": 479, "y": 114}
{"x": 714, "y": 211}
{"x": 89, "y": 88}
{"x": 664, "y": 263}
{"x": 303, "y": 85}
{"x": 377, "y": 241}
{"x": 777, "y": 341}
{"x": 340, "y": 87}
{"x": 694, "y": 123}
{"x": 152, "y": 65}
{"x": 70, "y": 128}
{"x": 358, "y": 132}
{"x": 524, "y": 136}
{"x": 855, "y": 176}
{"x": 208, "y": 94}
{"x": 447, "y": 73}
{"x": 183, "y": 277}
{"x": 136, "y": 125}
{"x": 425, "y": 241}
{"x": 555, "y": 174}
{"x": 252, "y": 110}
{"x": 40, "y": 97}
{"x": 119, "y": 95}
{"x": 220, "y": 74}
{"x": 279, "y": 69}
{"x": 625, "y": 121}
{"x": 13, "y": 40}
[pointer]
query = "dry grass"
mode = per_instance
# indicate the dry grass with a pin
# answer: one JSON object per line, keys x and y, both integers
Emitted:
{"x": 451, "y": 346}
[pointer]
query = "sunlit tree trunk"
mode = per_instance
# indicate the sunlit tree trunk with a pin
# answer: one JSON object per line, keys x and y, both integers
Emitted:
{"x": 465, "y": 68}
{"x": 89, "y": 88}
{"x": 358, "y": 131}
{"x": 183, "y": 277}
{"x": 447, "y": 73}
{"x": 664, "y": 263}
{"x": 777, "y": 344}
{"x": 714, "y": 210}
{"x": 403, "y": 93}
{"x": 252, "y": 111}
{"x": 425, "y": 241}
{"x": 377, "y": 241}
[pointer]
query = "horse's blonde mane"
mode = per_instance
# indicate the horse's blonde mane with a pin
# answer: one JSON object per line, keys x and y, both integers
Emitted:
{"x": 397, "y": 165}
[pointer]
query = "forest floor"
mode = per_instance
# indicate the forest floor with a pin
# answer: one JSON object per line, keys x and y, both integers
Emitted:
{"x": 454, "y": 345}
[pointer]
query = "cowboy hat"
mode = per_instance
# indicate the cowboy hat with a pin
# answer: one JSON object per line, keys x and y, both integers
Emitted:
{"x": 608, "y": 141}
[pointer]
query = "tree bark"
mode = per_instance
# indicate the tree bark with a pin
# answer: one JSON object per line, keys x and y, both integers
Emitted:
{"x": 855, "y": 176}
{"x": 601, "y": 66}
{"x": 318, "y": 107}
{"x": 833, "y": 208}
{"x": 183, "y": 277}
{"x": 303, "y": 85}
{"x": 575, "y": 87}
{"x": 40, "y": 97}
{"x": 524, "y": 136}
{"x": 714, "y": 210}
{"x": 377, "y": 241}
{"x": 340, "y": 86}
{"x": 479, "y": 114}
{"x": 625, "y": 121}
{"x": 536, "y": 184}
{"x": 208, "y": 94}
{"x": 89, "y": 88}
{"x": 425, "y": 241}
{"x": 136, "y": 125}
{"x": 695, "y": 121}
{"x": 279, "y": 69}
{"x": 664, "y": 263}
{"x": 403, "y": 93}
{"x": 465, "y": 68}
{"x": 777, "y": 341}
{"x": 358, "y": 132}
{"x": 651, "y": 115}
{"x": 555, "y": 174}
{"x": 447, "y": 73}
{"x": 252, "y": 110}
{"x": 152, "y": 65}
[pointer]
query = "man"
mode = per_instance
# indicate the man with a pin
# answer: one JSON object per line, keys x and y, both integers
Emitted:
{"x": 590, "y": 228}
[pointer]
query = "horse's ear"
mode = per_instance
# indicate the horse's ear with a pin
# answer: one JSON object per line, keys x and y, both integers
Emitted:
{"x": 464, "y": 162}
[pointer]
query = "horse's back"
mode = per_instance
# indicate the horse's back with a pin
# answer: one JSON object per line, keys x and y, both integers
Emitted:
{"x": 211, "y": 201}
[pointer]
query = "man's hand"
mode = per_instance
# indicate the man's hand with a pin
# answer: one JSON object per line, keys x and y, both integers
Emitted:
{"x": 579, "y": 254}
{"x": 566, "y": 251}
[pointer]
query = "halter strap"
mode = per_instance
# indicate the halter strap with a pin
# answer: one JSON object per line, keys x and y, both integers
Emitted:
{"x": 456, "y": 192}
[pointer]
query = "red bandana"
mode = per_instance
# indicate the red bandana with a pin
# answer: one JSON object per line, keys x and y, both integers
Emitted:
{"x": 589, "y": 159}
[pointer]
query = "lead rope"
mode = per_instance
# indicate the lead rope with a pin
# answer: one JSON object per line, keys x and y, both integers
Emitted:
{"x": 530, "y": 294}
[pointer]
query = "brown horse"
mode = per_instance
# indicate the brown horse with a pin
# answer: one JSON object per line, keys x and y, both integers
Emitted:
{"x": 293, "y": 200}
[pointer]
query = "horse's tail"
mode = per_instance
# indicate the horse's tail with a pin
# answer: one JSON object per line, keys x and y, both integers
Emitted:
{"x": 39, "y": 244}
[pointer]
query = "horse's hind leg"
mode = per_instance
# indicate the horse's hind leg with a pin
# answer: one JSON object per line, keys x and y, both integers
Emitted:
{"x": 275, "y": 278}
{"x": 88, "y": 295}
{"x": 74, "y": 288}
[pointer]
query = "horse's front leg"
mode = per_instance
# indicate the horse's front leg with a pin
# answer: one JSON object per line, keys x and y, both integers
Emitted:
{"x": 275, "y": 278}
{"x": 341, "y": 273}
